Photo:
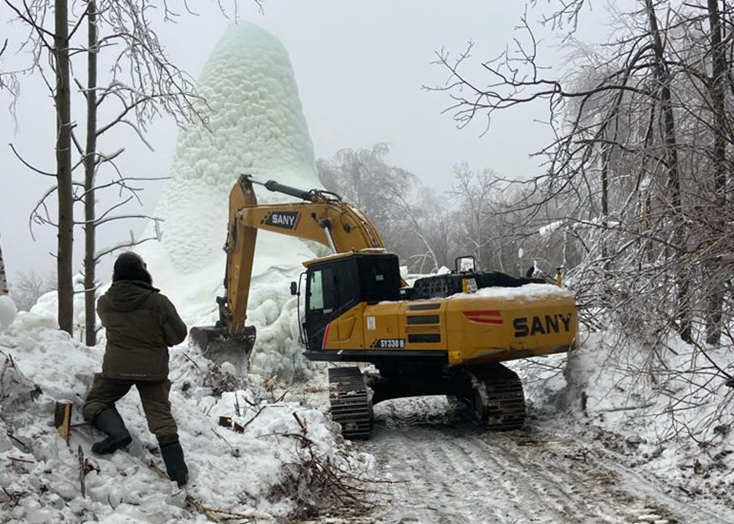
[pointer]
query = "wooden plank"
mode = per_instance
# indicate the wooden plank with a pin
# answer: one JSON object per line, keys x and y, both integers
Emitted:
{"x": 62, "y": 419}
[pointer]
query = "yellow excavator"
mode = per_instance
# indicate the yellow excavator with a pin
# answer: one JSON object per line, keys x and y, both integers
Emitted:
{"x": 446, "y": 335}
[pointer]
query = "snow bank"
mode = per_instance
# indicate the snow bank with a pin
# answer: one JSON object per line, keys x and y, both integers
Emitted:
{"x": 250, "y": 472}
{"x": 663, "y": 407}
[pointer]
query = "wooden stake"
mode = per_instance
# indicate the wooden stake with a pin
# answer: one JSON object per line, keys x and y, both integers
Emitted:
{"x": 62, "y": 419}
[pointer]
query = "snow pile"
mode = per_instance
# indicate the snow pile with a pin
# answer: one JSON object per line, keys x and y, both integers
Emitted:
{"x": 252, "y": 472}
{"x": 664, "y": 407}
{"x": 528, "y": 292}
{"x": 8, "y": 311}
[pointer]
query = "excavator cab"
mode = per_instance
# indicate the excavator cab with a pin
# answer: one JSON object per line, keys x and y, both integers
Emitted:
{"x": 336, "y": 284}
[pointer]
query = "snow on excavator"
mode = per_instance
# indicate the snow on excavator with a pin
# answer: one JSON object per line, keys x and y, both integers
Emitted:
{"x": 446, "y": 335}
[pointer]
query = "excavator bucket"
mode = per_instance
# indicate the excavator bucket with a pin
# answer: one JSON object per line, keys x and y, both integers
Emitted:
{"x": 220, "y": 346}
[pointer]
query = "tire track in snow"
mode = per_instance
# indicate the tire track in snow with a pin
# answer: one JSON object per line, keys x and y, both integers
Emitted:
{"x": 446, "y": 470}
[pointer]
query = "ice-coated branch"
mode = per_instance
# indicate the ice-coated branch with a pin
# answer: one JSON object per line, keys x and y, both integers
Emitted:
{"x": 40, "y": 213}
{"x": 101, "y": 219}
{"x": 28, "y": 16}
{"x": 129, "y": 244}
{"x": 28, "y": 165}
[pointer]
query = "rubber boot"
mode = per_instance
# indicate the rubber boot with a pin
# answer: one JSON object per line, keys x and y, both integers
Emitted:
{"x": 173, "y": 457}
{"x": 109, "y": 421}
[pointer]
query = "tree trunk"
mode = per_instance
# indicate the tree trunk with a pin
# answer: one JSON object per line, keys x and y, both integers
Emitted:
{"x": 62, "y": 99}
{"x": 662, "y": 76}
{"x": 3, "y": 277}
{"x": 607, "y": 284}
{"x": 717, "y": 92}
{"x": 90, "y": 164}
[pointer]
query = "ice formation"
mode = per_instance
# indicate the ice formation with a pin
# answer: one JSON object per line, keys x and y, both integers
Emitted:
{"x": 8, "y": 311}
{"x": 254, "y": 124}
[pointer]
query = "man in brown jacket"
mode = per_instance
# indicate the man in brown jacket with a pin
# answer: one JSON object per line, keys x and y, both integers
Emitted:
{"x": 141, "y": 325}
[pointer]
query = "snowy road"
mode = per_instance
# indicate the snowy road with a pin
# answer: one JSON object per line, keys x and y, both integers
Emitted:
{"x": 445, "y": 470}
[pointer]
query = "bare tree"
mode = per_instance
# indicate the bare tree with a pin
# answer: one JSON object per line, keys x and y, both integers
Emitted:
{"x": 381, "y": 191}
{"x": 57, "y": 44}
{"x": 65, "y": 223}
{"x": 639, "y": 166}
{"x": 475, "y": 191}
{"x": 142, "y": 83}
{"x": 717, "y": 93}
{"x": 429, "y": 230}
{"x": 3, "y": 277}
{"x": 27, "y": 288}
{"x": 90, "y": 168}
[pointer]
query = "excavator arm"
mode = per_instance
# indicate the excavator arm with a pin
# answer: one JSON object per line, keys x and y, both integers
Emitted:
{"x": 321, "y": 217}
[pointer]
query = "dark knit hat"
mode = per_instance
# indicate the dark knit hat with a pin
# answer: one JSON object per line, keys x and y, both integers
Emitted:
{"x": 130, "y": 266}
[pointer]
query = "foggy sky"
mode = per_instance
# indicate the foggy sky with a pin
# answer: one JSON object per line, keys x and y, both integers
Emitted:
{"x": 359, "y": 67}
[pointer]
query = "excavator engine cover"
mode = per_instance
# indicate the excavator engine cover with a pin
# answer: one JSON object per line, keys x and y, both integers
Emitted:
{"x": 220, "y": 346}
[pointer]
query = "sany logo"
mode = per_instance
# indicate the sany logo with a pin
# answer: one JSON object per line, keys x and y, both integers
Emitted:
{"x": 525, "y": 326}
{"x": 284, "y": 219}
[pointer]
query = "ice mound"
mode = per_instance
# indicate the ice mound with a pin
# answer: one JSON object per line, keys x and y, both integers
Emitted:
{"x": 254, "y": 124}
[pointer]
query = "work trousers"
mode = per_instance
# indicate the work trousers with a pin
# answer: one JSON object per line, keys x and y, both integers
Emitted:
{"x": 153, "y": 394}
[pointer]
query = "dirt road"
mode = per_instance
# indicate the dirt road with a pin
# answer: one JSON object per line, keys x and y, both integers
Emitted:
{"x": 445, "y": 470}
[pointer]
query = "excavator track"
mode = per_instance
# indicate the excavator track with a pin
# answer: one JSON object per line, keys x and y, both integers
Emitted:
{"x": 351, "y": 405}
{"x": 496, "y": 397}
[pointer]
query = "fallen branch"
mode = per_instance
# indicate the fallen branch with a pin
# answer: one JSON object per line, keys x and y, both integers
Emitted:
{"x": 82, "y": 471}
{"x": 14, "y": 497}
{"x": 16, "y": 439}
{"x": 228, "y": 515}
{"x": 190, "y": 359}
{"x": 14, "y": 459}
{"x": 627, "y": 408}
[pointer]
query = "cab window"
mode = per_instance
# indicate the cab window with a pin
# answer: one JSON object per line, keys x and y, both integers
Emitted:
{"x": 380, "y": 278}
{"x": 321, "y": 290}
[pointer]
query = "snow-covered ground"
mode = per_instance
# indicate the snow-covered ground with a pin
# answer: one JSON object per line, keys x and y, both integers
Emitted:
{"x": 443, "y": 469}
{"x": 603, "y": 443}
{"x": 264, "y": 471}
{"x": 667, "y": 401}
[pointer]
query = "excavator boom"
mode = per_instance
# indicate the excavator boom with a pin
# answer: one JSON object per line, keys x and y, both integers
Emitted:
{"x": 321, "y": 217}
